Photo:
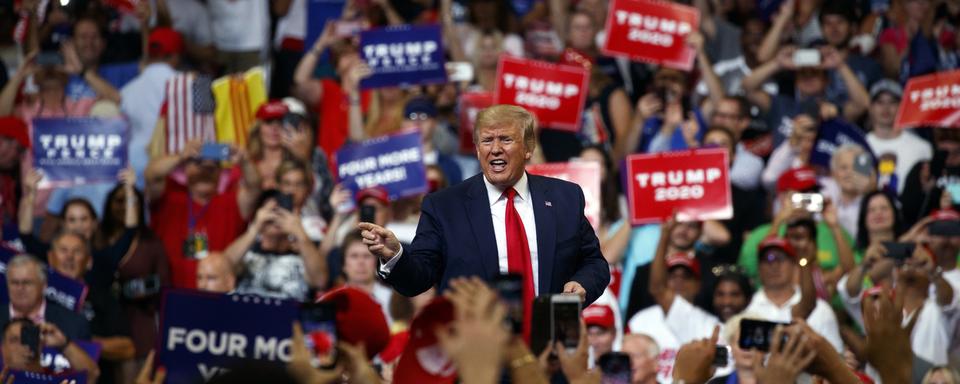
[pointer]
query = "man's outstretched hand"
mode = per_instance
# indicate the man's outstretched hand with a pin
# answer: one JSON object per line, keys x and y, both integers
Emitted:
{"x": 381, "y": 242}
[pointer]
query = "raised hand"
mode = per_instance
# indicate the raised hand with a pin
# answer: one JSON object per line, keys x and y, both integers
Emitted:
{"x": 144, "y": 376}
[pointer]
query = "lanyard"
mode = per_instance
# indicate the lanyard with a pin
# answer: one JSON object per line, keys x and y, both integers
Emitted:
{"x": 191, "y": 218}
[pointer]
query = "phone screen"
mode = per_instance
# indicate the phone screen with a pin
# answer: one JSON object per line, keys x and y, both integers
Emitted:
{"x": 215, "y": 151}
{"x": 899, "y": 251}
{"x": 722, "y": 356}
{"x": 285, "y": 201}
{"x": 319, "y": 324}
{"x": 756, "y": 334}
{"x": 368, "y": 213}
{"x": 30, "y": 337}
{"x": 566, "y": 320}
{"x": 811, "y": 202}
{"x": 510, "y": 289}
{"x": 615, "y": 368}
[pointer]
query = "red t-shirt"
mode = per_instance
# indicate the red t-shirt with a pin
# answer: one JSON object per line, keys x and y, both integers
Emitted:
{"x": 333, "y": 128}
{"x": 170, "y": 215}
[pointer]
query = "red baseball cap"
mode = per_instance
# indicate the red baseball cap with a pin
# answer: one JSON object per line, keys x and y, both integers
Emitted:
{"x": 271, "y": 110}
{"x": 686, "y": 260}
{"x": 164, "y": 41}
{"x": 16, "y": 129}
{"x": 360, "y": 319}
{"x": 598, "y": 315}
{"x": 378, "y": 192}
{"x": 423, "y": 360}
{"x": 945, "y": 215}
{"x": 776, "y": 242}
{"x": 801, "y": 179}
{"x": 944, "y": 222}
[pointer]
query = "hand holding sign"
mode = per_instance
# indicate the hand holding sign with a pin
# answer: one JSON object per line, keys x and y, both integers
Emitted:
{"x": 52, "y": 336}
{"x": 144, "y": 376}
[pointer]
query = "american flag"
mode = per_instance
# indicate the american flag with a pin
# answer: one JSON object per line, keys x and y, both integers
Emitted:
{"x": 188, "y": 111}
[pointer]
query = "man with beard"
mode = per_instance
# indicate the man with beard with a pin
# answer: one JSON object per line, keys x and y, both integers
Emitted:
{"x": 197, "y": 218}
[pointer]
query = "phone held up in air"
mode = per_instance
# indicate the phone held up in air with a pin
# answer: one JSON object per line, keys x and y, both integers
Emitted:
{"x": 565, "y": 320}
{"x": 757, "y": 334}
{"x": 510, "y": 289}
{"x": 319, "y": 322}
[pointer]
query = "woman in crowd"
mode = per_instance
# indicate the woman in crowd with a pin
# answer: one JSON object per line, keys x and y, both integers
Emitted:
{"x": 941, "y": 375}
{"x": 879, "y": 221}
{"x": 278, "y": 258}
{"x": 275, "y": 138}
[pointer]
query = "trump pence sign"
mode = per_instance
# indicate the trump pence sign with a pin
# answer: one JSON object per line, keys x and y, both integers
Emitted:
{"x": 652, "y": 31}
{"x": 931, "y": 100}
{"x": 693, "y": 183}
{"x": 554, "y": 93}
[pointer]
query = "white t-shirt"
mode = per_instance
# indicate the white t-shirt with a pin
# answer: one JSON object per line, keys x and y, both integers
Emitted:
{"x": 239, "y": 25}
{"x": 821, "y": 319}
{"x": 293, "y": 25}
{"x": 908, "y": 149}
{"x": 683, "y": 324}
{"x": 192, "y": 20}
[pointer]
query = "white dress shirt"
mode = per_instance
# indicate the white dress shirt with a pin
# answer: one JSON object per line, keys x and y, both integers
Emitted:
{"x": 822, "y": 320}
{"x": 498, "y": 208}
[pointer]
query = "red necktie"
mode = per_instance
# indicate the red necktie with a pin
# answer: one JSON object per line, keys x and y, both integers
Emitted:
{"x": 518, "y": 259}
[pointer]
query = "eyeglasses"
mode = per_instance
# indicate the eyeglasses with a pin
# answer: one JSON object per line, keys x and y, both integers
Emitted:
{"x": 418, "y": 116}
{"x": 727, "y": 269}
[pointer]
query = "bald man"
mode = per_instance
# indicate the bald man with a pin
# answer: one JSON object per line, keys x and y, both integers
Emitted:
{"x": 214, "y": 274}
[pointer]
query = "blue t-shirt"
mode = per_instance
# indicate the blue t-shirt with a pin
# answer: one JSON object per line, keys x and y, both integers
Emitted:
{"x": 116, "y": 74}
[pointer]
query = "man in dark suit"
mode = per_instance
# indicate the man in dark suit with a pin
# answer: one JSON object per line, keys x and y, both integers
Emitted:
{"x": 26, "y": 283}
{"x": 503, "y": 220}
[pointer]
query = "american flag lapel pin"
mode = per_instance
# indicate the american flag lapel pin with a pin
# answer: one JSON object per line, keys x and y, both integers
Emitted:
{"x": 549, "y": 204}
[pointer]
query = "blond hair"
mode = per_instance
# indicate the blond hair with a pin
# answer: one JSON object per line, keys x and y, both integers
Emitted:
{"x": 513, "y": 115}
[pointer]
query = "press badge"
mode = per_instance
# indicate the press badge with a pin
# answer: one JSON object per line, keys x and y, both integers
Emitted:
{"x": 196, "y": 246}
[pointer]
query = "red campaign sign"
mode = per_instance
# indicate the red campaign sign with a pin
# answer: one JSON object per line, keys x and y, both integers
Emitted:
{"x": 554, "y": 93}
{"x": 586, "y": 174}
{"x": 471, "y": 104}
{"x": 652, "y": 31}
{"x": 693, "y": 183}
{"x": 931, "y": 100}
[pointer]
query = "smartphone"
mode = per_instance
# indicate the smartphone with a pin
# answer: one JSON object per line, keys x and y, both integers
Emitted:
{"x": 722, "y": 356}
{"x": 292, "y": 120}
{"x": 811, "y": 202}
{"x": 141, "y": 288}
{"x": 510, "y": 289}
{"x": 215, "y": 151}
{"x": 565, "y": 320}
{"x": 954, "y": 189}
{"x": 806, "y": 57}
{"x": 368, "y": 213}
{"x": 459, "y": 71}
{"x": 285, "y": 201}
{"x": 319, "y": 322}
{"x": 49, "y": 58}
{"x": 899, "y": 252}
{"x": 30, "y": 338}
{"x": 540, "y": 337}
{"x": 757, "y": 334}
{"x": 348, "y": 28}
{"x": 615, "y": 368}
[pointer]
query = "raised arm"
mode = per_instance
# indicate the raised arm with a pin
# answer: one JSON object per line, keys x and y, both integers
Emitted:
{"x": 235, "y": 251}
{"x": 450, "y": 38}
{"x": 338, "y": 197}
{"x": 859, "y": 99}
{"x": 351, "y": 85}
{"x": 250, "y": 184}
{"x": 8, "y": 97}
{"x": 155, "y": 175}
{"x": 753, "y": 83}
{"x": 131, "y": 215}
{"x": 308, "y": 88}
{"x": 659, "y": 288}
{"x": 844, "y": 249}
{"x": 316, "y": 271}
{"x": 79, "y": 360}
{"x": 715, "y": 91}
{"x": 773, "y": 38}
{"x": 25, "y": 213}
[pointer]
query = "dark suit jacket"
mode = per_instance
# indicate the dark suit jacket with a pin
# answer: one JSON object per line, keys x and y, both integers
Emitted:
{"x": 455, "y": 238}
{"x": 72, "y": 324}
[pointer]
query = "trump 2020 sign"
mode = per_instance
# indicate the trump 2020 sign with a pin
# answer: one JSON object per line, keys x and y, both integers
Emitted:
{"x": 693, "y": 183}
{"x": 651, "y": 30}
{"x": 554, "y": 93}
{"x": 931, "y": 100}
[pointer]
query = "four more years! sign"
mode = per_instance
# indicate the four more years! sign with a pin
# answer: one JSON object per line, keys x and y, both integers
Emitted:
{"x": 554, "y": 93}
{"x": 205, "y": 334}
{"x": 652, "y": 31}
{"x": 931, "y": 100}
{"x": 71, "y": 151}
{"x": 693, "y": 183}
{"x": 392, "y": 162}
{"x": 402, "y": 55}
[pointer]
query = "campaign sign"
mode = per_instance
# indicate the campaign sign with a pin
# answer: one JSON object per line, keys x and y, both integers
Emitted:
{"x": 402, "y": 55}
{"x": 319, "y": 13}
{"x": 24, "y": 377}
{"x": 52, "y": 358}
{"x": 554, "y": 93}
{"x": 931, "y": 100}
{"x": 204, "y": 334}
{"x": 586, "y": 174}
{"x": 62, "y": 290}
{"x": 693, "y": 183}
{"x": 832, "y": 135}
{"x": 73, "y": 151}
{"x": 392, "y": 162}
{"x": 471, "y": 104}
{"x": 652, "y": 31}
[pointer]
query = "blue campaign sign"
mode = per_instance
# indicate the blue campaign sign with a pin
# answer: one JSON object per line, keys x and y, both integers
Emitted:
{"x": 834, "y": 134}
{"x": 24, "y": 377}
{"x": 51, "y": 358}
{"x": 392, "y": 162}
{"x": 73, "y": 151}
{"x": 60, "y": 289}
{"x": 319, "y": 12}
{"x": 205, "y": 334}
{"x": 402, "y": 55}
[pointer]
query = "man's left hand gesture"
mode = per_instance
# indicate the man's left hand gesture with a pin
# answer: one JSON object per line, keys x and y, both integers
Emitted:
{"x": 574, "y": 288}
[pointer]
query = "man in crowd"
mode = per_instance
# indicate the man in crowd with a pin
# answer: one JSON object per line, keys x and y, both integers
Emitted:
{"x": 26, "y": 284}
{"x": 551, "y": 244}
{"x": 643, "y": 351}
{"x": 215, "y": 274}
{"x": 601, "y": 329}
{"x": 897, "y": 150}
{"x": 17, "y": 355}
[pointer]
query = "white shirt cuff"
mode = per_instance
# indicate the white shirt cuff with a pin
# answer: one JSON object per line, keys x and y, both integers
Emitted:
{"x": 385, "y": 268}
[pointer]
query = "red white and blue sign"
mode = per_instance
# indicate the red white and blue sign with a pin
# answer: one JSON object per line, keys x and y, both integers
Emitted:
{"x": 394, "y": 163}
{"x": 72, "y": 151}
{"x": 402, "y": 56}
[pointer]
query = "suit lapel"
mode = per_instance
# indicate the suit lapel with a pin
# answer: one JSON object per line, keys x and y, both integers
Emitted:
{"x": 546, "y": 231}
{"x": 478, "y": 210}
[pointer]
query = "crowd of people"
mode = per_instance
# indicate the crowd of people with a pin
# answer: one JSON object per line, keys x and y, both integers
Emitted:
{"x": 868, "y": 280}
